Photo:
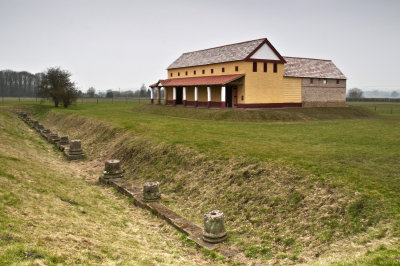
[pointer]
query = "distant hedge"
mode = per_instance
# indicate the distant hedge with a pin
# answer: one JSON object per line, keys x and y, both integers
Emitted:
{"x": 372, "y": 99}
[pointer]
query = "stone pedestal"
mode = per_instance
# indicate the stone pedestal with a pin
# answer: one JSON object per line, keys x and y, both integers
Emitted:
{"x": 112, "y": 169}
{"x": 63, "y": 143}
{"x": 54, "y": 138}
{"x": 35, "y": 124}
{"x": 24, "y": 116}
{"x": 214, "y": 227}
{"x": 45, "y": 133}
{"x": 75, "y": 150}
{"x": 151, "y": 191}
{"x": 39, "y": 128}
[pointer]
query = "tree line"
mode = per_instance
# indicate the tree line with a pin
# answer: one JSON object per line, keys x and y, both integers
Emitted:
{"x": 19, "y": 84}
{"x": 358, "y": 93}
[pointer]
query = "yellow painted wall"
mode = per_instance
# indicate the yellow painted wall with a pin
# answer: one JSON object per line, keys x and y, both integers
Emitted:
{"x": 258, "y": 87}
{"x": 292, "y": 90}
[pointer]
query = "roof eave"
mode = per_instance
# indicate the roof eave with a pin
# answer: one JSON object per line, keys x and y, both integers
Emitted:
{"x": 314, "y": 77}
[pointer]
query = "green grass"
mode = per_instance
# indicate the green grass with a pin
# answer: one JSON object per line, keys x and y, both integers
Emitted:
{"x": 350, "y": 150}
{"x": 357, "y": 152}
{"x": 388, "y": 109}
{"x": 54, "y": 212}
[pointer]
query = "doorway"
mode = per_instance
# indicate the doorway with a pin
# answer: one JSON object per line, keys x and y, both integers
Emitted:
{"x": 179, "y": 95}
{"x": 231, "y": 96}
{"x": 228, "y": 99}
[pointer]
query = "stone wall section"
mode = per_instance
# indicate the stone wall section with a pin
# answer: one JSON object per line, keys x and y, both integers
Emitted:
{"x": 318, "y": 94}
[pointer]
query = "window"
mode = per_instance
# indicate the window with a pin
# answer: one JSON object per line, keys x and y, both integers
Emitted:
{"x": 337, "y": 81}
{"x": 223, "y": 69}
{"x": 194, "y": 72}
{"x": 254, "y": 66}
{"x": 265, "y": 67}
{"x": 212, "y": 70}
{"x": 311, "y": 81}
{"x": 186, "y": 73}
{"x": 179, "y": 74}
{"x": 236, "y": 68}
{"x": 171, "y": 74}
{"x": 203, "y": 71}
{"x": 325, "y": 81}
{"x": 275, "y": 67}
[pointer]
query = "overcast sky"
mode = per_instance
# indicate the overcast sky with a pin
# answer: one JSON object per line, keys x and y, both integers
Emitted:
{"x": 122, "y": 44}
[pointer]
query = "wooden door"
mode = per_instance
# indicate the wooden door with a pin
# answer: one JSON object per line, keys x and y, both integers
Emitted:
{"x": 234, "y": 97}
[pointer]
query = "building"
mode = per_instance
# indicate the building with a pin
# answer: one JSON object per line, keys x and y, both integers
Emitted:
{"x": 250, "y": 74}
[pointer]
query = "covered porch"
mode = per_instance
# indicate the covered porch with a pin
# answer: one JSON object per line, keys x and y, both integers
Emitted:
{"x": 209, "y": 91}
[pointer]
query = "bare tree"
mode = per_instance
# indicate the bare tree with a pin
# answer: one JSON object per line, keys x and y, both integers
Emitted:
{"x": 355, "y": 93}
{"x": 91, "y": 92}
{"x": 57, "y": 85}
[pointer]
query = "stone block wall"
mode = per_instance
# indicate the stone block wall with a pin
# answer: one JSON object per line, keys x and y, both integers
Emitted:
{"x": 318, "y": 94}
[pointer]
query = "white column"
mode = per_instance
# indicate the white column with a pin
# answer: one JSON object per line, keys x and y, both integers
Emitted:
{"x": 174, "y": 93}
{"x": 223, "y": 94}
{"x": 209, "y": 94}
{"x": 196, "y": 94}
{"x": 184, "y": 93}
{"x": 151, "y": 93}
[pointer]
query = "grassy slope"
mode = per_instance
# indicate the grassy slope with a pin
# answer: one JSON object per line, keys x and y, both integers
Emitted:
{"x": 346, "y": 153}
{"x": 50, "y": 213}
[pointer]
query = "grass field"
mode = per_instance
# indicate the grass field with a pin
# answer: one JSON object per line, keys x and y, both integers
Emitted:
{"x": 54, "y": 212}
{"x": 330, "y": 175}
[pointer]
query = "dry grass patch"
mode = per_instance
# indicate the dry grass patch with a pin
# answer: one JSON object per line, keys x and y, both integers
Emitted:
{"x": 274, "y": 214}
{"x": 53, "y": 211}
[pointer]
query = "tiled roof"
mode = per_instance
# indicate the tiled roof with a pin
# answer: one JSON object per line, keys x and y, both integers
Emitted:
{"x": 199, "y": 81}
{"x": 311, "y": 68}
{"x": 226, "y": 53}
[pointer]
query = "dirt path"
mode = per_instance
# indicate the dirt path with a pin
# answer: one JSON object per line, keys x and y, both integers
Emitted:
{"x": 54, "y": 211}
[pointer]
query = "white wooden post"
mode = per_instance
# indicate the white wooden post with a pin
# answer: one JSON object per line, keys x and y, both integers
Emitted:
{"x": 223, "y": 104}
{"x": 165, "y": 95}
{"x": 174, "y": 95}
{"x": 209, "y": 96}
{"x": 196, "y": 96}
{"x": 151, "y": 95}
{"x": 184, "y": 96}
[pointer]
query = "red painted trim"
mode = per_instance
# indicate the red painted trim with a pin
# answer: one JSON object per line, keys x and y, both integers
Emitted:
{"x": 223, "y": 104}
{"x": 184, "y": 103}
{"x": 265, "y": 61}
{"x": 269, "y": 105}
{"x": 174, "y": 102}
{"x": 282, "y": 60}
{"x": 152, "y": 101}
{"x": 203, "y": 104}
{"x": 199, "y": 81}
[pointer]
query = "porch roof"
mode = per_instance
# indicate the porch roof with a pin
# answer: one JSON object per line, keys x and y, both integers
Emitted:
{"x": 198, "y": 81}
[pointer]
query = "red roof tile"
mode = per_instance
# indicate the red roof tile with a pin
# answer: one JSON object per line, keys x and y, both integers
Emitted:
{"x": 198, "y": 81}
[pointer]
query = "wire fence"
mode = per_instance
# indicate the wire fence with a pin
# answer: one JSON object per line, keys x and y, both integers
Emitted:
{"x": 82, "y": 100}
